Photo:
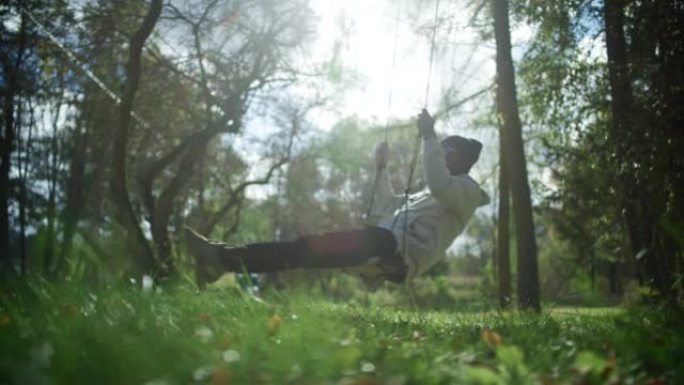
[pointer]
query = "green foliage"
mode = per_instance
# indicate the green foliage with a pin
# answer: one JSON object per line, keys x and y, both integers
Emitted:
{"x": 327, "y": 185}
{"x": 120, "y": 334}
{"x": 609, "y": 183}
{"x": 488, "y": 286}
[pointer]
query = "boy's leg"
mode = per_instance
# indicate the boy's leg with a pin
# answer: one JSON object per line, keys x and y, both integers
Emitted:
{"x": 337, "y": 249}
{"x": 340, "y": 249}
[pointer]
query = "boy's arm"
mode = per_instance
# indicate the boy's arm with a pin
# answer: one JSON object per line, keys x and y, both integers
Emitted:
{"x": 459, "y": 193}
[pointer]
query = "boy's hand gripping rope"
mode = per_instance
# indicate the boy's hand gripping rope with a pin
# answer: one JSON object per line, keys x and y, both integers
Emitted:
{"x": 416, "y": 146}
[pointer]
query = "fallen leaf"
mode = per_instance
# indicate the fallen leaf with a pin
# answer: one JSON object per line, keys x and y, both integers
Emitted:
{"x": 546, "y": 379}
{"x": 366, "y": 381}
{"x": 274, "y": 323}
{"x": 203, "y": 316}
{"x": 609, "y": 368}
{"x": 225, "y": 342}
{"x": 491, "y": 337}
{"x": 72, "y": 310}
{"x": 220, "y": 376}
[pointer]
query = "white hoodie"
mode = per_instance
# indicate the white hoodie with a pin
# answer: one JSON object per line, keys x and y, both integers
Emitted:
{"x": 430, "y": 221}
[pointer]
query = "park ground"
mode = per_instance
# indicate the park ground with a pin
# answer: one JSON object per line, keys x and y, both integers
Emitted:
{"x": 66, "y": 334}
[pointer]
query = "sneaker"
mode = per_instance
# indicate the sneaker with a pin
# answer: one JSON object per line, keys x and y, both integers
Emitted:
{"x": 207, "y": 256}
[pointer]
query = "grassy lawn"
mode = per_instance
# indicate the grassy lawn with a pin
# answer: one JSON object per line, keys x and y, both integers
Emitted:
{"x": 67, "y": 335}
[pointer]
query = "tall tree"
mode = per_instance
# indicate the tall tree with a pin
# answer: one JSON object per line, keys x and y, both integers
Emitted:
{"x": 53, "y": 165}
{"x": 125, "y": 214}
{"x": 528, "y": 276}
{"x": 503, "y": 244}
{"x": 226, "y": 78}
{"x": 88, "y": 133}
{"x": 13, "y": 54}
{"x": 645, "y": 210}
{"x": 24, "y": 147}
{"x": 611, "y": 130}
{"x": 621, "y": 102}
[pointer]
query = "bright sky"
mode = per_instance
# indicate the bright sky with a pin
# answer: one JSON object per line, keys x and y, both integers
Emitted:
{"x": 368, "y": 50}
{"x": 461, "y": 60}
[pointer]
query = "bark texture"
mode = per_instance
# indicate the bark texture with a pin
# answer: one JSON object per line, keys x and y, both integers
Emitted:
{"x": 528, "y": 276}
{"x": 138, "y": 246}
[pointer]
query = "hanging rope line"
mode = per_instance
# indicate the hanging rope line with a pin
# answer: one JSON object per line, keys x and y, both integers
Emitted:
{"x": 416, "y": 149}
{"x": 81, "y": 65}
{"x": 432, "y": 55}
{"x": 390, "y": 94}
{"x": 391, "y": 78}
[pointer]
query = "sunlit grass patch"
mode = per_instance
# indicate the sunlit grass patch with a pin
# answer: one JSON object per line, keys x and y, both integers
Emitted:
{"x": 66, "y": 334}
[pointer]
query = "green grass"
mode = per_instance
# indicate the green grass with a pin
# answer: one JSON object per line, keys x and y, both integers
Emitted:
{"x": 66, "y": 334}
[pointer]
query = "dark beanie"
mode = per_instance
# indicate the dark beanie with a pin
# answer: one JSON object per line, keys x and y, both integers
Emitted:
{"x": 467, "y": 150}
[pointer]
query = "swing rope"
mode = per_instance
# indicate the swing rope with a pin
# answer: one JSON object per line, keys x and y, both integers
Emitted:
{"x": 414, "y": 159}
{"x": 416, "y": 147}
{"x": 416, "y": 144}
{"x": 432, "y": 55}
{"x": 390, "y": 94}
{"x": 394, "y": 64}
{"x": 80, "y": 64}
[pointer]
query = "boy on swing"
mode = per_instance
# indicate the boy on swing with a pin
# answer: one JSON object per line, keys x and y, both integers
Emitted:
{"x": 405, "y": 240}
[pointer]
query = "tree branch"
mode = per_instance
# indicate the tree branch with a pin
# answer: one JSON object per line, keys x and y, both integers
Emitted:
{"x": 123, "y": 208}
{"x": 236, "y": 196}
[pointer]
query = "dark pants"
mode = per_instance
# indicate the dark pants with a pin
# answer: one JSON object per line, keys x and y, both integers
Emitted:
{"x": 336, "y": 249}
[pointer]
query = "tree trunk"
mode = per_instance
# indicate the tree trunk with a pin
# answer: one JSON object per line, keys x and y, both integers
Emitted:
{"x": 53, "y": 162}
{"x": 74, "y": 193}
{"x": 23, "y": 167}
{"x": 138, "y": 245}
{"x": 640, "y": 223}
{"x": 160, "y": 217}
{"x": 669, "y": 83}
{"x": 592, "y": 268}
{"x": 160, "y": 209}
{"x": 23, "y": 161}
{"x": 51, "y": 238}
{"x": 11, "y": 70}
{"x": 6, "y": 148}
{"x": 615, "y": 278}
{"x": 528, "y": 276}
{"x": 503, "y": 239}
